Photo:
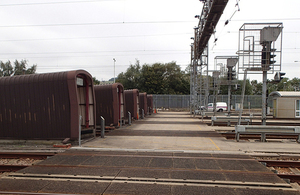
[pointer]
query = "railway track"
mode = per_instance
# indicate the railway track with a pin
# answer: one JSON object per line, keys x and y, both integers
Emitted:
{"x": 285, "y": 169}
{"x": 31, "y": 155}
{"x": 11, "y": 168}
{"x": 147, "y": 170}
{"x": 14, "y": 161}
{"x": 291, "y": 171}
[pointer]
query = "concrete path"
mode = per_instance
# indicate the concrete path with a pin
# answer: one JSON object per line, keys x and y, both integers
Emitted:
{"x": 179, "y": 131}
{"x": 166, "y": 123}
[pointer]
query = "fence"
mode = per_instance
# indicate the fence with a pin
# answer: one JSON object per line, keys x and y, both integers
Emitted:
{"x": 183, "y": 101}
{"x": 171, "y": 101}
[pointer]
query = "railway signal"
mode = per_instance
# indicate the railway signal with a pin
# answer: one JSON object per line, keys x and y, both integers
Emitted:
{"x": 279, "y": 76}
{"x": 237, "y": 86}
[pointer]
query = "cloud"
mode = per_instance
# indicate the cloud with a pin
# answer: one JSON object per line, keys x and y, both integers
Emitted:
{"x": 60, "y": 35}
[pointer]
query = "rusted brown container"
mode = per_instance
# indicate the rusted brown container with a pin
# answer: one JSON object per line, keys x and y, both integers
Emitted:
{"x": 47, "y": 106}
{"x": 143, "y": 103}
{"x": 150, "y": 104}
{"x": 110, "y": 103}
{"x": 132, "y": 103}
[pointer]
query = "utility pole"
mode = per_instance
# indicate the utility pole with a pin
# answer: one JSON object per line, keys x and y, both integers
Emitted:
{"x": 114, "y": 69}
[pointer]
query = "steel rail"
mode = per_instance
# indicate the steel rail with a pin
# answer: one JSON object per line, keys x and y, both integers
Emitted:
{"x": 31, "y": 155}
{"x": 281, "y": 163}
{"x": 12, "y": 168}
{"x": 31, "y": 193}
{"x": 292, "y": 177}
{"x": 145, "y": 180}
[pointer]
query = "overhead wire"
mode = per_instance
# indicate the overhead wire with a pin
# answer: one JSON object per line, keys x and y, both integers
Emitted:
{"x": 226, "y": 23}
{"x": 102, "y": 37}
{"x": 92, "y": 23}
{"x": 104, "y": 23}
{"x": 49, "y": 3}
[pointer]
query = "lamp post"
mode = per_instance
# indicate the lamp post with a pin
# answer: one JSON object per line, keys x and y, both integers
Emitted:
{"x": 114, "y": 69}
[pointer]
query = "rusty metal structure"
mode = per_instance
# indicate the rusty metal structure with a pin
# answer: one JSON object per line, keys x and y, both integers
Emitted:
{"x": 150, "y": 104}
{"x": 47, "y": 106}
{"x": 110, "y": 103}
{"x": 143, "y": 104}
{"x": 132, "y": 103}
{"x": 211, "y": 13}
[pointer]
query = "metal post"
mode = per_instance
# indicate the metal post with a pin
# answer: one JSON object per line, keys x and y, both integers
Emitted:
{"x": 114, "y": 69}
{"x": 264, "y": 99}
{"x": 79, "y": 136}
{"x": 214, "y": 97}
{"x": 200, "y": 91}
{"x": 243, "y": 96}
{"x": 229, "y": 102}
{"x": 169, "y": 100}
{"x": 191, "y": 76}
{"x": 143, "y": 114}
{"x": 102, "y": 127}
{"x": 249, "y": 107}
{"x": 129, "y": 118}
{"x": 207, "y": 86}
{"x": 229, "y": 98}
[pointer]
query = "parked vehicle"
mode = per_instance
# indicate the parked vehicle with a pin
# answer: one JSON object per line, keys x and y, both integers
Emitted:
{"x": 220, "y": 107}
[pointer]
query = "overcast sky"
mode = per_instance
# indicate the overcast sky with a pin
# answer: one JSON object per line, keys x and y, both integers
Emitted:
{"x": 60, "y": 35}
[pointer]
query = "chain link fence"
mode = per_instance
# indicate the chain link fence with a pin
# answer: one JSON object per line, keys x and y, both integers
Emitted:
{"x": 183, "y": 101}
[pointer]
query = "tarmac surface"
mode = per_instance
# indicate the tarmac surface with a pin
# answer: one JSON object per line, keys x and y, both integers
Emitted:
{"x": 165, "y": 153}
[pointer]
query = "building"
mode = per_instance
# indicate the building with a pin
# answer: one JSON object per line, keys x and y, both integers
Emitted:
{"x": 47, "y": 106}
{"x": 132, "y": 103}
{"x": 110, "y": 100}
{"x": 143, "y": 104}
{"x": 286, "y": 104}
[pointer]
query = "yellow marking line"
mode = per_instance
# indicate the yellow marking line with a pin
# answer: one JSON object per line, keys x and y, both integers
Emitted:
{"x": 211, "y": 140}
{"x": 214, "y": 144}
{"x": 128, "y": 126}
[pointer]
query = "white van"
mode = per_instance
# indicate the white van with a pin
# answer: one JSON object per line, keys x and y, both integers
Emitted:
{"x": 220, "y": 107}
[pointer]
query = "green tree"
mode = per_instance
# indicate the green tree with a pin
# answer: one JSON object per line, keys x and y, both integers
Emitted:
{"x": 257, "y": 87}
{"x": 152, "y": 78}
{"x": 284, "y": 85}
{"x": 157, "y": 78}
{"x": 19, "y": 68}
{"x": 176, "y": 80}
{"x": 131, "y": 78}
{"x": 95, "y": 81}
{"x": 248, "y": 88}
{"x": 295, "y": 84}
{"x": 6, "y": 69}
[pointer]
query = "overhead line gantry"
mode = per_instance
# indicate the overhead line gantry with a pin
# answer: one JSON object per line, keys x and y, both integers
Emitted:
{"x": 211, "y": 13}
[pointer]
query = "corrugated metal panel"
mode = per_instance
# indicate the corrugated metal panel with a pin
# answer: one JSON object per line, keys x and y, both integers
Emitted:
{"x": 150, "y": 104}
{"x": 132, "y": 102}
{"x": 39, "y": 106}
{"x": 110, "y": 103}
{"x": 143, "y": 103}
